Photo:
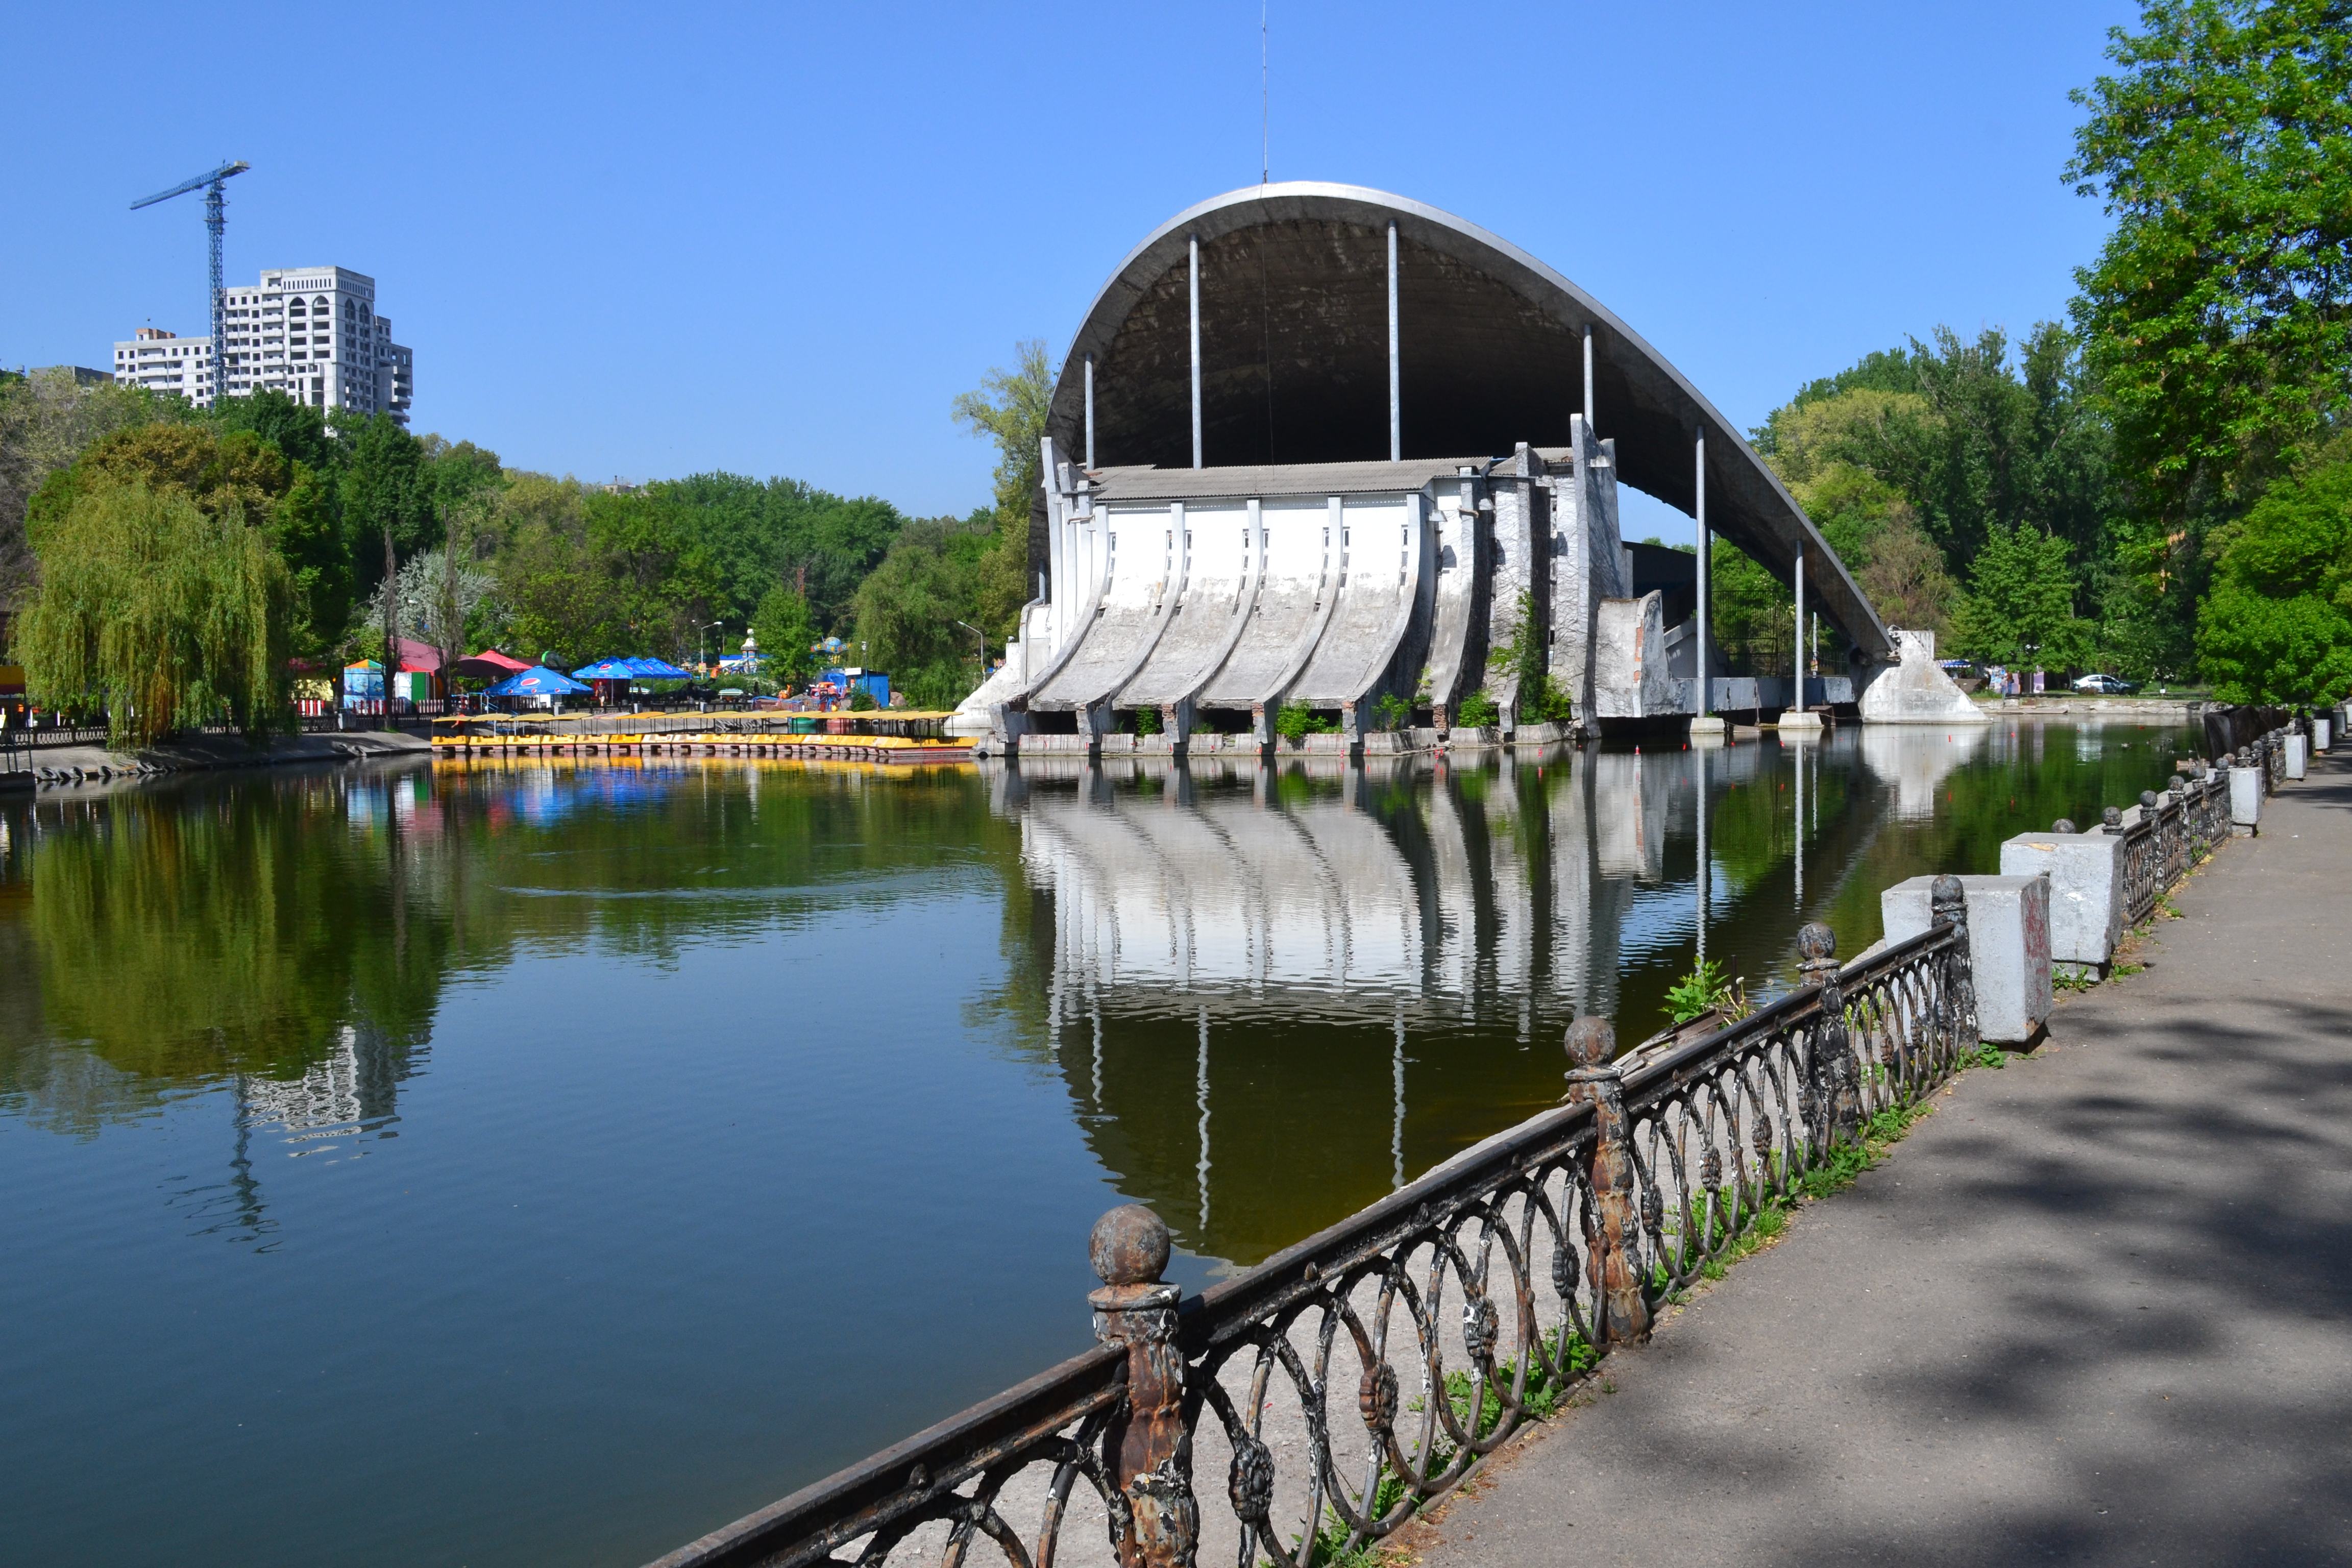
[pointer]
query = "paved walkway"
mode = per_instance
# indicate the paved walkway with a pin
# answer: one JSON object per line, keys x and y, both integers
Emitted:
{"x": 2097, "y": 1308}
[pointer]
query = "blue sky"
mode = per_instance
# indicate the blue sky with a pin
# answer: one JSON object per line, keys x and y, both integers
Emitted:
{"x": 649, "y": 241}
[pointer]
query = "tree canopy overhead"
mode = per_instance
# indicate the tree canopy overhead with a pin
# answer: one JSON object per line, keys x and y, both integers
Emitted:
{"x": 2215, "y": 316}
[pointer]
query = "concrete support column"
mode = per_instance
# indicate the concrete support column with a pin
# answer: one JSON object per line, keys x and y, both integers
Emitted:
{"x": 1795, "y": 717}
{"x": 1588, "y": 373}
{"x": 1195, "y": 271}
{"x": 1090, "y": 411}
{"x": 1706, "y": 723}
{"x": 1396, "y": 382}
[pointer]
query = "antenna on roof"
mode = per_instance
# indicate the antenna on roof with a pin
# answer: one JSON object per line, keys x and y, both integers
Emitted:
{"x": 1264, "y": 121}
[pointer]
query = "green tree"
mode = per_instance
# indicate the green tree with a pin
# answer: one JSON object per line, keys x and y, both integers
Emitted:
{"x": 298, "y": 429}
{"x": 2277, "y": 625}
{"x": 759, "y": 533}
{"x": 1753, "y": 616}
{"x": 786, "y": 631}
{"x": 2021, "y": 603}
{"x": 47, "y": 418}
{"x": 906, "y": 611}
{"x": 2215, "y": 317}
{"x": 169, "y": 615}
{"x": 224, "y": 472}
{"x": 1010, "y": 407}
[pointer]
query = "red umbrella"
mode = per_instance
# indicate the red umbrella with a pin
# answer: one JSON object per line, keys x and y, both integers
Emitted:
{"x": 489, "y": 665}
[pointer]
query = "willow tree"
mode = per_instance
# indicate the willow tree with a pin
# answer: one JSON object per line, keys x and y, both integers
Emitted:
{"x": 168, "y": 615}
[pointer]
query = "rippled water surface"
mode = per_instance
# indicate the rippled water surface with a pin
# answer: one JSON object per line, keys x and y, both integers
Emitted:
{"x": 538, "y": 1163}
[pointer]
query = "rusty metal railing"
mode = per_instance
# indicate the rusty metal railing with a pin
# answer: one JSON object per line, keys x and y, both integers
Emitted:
{"x": 1315, "y": 1402}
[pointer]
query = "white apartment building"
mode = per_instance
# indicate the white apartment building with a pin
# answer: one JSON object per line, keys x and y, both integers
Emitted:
{"x": 166, "y": 361}
{"x": 312, "y": 333}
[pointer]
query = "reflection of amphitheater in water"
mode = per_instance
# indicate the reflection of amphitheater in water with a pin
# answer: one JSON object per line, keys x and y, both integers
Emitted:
{"x": 1375, "y": 962}
{"x": 1394, "y": 948}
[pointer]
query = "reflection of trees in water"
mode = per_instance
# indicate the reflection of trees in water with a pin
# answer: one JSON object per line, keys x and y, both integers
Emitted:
{"x": 286, "y": 935}
{"x": 180, "y": 935}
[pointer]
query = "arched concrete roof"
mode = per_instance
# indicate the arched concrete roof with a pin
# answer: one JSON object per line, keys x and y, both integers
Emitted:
{"x": 1294, "y": 315}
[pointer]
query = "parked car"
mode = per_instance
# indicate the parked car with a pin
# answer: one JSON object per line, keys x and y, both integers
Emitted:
{"x": 2106, "y": 685}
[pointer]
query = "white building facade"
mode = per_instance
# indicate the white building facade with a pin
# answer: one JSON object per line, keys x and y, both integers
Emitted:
{"x": 310, "y": 333}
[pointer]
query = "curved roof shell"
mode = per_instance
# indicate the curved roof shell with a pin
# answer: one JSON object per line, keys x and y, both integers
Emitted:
{"x": 1294, "y": 343}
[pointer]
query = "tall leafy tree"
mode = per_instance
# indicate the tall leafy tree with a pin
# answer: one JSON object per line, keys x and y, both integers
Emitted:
{"x": 47, "y": 418}
{"x": 167, "y": 614}
{"x": 786, "y": 632}
{"x": 2215, "y": 317}
{"x": 2277, "y": 625}
{"x": 1010, "y": 407}
{"x": 2215, "y": 311}
{"x": 2021, "y": 603}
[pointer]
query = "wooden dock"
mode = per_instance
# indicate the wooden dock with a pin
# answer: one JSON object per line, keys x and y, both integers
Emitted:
{"x": 891, "y": 750}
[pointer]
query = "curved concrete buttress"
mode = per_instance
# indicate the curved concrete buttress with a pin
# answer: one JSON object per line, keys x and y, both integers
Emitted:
{"x": 1453, "y": 611}
{"x": 1328, "y": 591}
{"x": 1130, "y": 614}
{"x": 1380, "y": 584}
{"x": 1288, "y": 611}
{"x": 1294, "y": 347}
{"x": 1245, "y": 604}
{"x": 1220, "y": 552}
{"x": 1074, "y": 639}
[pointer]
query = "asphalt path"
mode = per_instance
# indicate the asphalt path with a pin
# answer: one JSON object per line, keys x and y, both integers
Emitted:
{"x": 2096, "y": 1308}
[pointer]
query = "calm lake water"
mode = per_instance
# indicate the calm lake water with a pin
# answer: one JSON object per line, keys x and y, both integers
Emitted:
{"x": 533, "y": 1164}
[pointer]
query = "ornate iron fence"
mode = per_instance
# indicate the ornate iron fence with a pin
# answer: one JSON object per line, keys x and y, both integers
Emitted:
{"x": 1451, "y": 1311}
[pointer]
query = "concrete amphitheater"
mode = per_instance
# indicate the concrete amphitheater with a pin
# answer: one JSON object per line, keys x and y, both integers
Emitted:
{"x": 1322, "y": 447}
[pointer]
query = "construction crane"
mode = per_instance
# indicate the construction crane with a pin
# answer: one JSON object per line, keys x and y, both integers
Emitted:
{"x": 215, "y": 220}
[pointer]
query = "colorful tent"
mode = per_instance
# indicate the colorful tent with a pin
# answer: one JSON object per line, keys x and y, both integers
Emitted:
{"x": 605, "y": 669}
{"x": 536, "y": 681}
{"x": 657, "y": 669}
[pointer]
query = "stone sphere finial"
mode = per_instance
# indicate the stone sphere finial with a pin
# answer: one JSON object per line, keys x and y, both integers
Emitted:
{"x": 2063, "y": 825}
{"x": 2176, "y": 784}
{"x": 1816, "y": 941}
{"x": 1129, "y": 1246}
{"x": 2148, "y": 800}
{"x": 1590, "y": 1042}
{"x": 1945, "y": 892}
{"x": 2112, "y": 817}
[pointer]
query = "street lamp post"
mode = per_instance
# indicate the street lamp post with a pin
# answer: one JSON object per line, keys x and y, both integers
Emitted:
{"x": 981, "y": 654}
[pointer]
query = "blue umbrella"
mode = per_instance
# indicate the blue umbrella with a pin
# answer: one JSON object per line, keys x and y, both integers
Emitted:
{"x": 657, "y": 669}
{"x": 538, "y": 681}
{"x": 606, "y": 670}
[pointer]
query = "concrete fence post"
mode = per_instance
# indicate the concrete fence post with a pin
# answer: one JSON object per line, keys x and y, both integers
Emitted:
{"x": 2086, "y": 891}
{"x": 2007, "y": 924}
{"x": 1620, "y": 1307}
{"x": 2297, "y": 761}
{"x": 2248, "y": 784}
{"x": 1837, "y": 1076}
{"x": 1146, "y": 1448}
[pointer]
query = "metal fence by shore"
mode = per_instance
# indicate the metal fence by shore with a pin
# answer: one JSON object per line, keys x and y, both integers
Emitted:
{"x": 1452, "y": 1310}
